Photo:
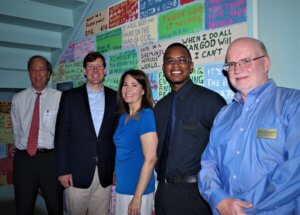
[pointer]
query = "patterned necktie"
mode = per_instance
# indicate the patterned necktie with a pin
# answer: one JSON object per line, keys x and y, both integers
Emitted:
{"x": 34, "y": 128}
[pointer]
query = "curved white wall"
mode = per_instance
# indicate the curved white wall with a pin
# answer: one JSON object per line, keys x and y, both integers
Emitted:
{"x": 279, "y": 29}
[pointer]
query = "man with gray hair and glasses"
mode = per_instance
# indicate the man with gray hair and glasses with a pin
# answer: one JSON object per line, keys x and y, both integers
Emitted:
{"x": 252, "y": 162}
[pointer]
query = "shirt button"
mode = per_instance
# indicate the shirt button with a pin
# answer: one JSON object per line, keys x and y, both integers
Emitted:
{"x": 234, "y": 176}
{"x": 247, "y": 109}
{"x": 257, "y": 100}
{"x": 237, "y": 152}
{"x": 241, "y": 129}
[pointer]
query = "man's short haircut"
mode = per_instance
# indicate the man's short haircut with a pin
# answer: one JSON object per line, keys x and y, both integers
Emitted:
{"x": 92, "y": 56}
{"x": 178, "y": 45}
{"x": 262, "y": 47}
{"x": 30, "y": 61}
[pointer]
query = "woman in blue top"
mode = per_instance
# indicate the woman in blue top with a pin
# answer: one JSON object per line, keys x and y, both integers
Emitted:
{"x": 136, "y": 142}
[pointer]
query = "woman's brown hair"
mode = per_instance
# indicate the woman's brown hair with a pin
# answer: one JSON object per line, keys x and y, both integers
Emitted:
{"x": 142, "y": 79}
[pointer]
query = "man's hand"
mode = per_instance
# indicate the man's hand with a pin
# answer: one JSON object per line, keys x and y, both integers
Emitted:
{"x": 12, "y": 150}
{"x": 66, "y": 180}
{"x": 232, "y": 206}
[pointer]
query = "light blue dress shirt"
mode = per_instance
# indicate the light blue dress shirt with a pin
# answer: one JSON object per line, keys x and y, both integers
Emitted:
{"x": 254, "y": 152}
{"x": 97, "y": 104}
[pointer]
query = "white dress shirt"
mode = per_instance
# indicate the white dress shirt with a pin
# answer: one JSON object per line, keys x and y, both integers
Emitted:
{"x": 22, "y": 111}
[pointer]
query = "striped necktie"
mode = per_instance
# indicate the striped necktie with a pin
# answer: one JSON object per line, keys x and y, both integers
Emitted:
{"x": 34, "y": 128}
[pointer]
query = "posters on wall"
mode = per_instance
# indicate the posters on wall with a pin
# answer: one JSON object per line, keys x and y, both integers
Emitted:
{"x": 122, "y": 61}
{"x": 150, "y": 57}
{"x": 210, "y": 46}
{"x": 6, "y": 144}
{"x": 180, "y": 22}
{"x": 77, "y": 50}
{"x": 140, "y": 33}
{"x": 150, "y": 8}
{"x": 125, "y": 11}
{"x": 109, "y": 41}
{"x": 135, "y": 33}
{"x": 220, "y": 13}
{"x": 96, "y": 23}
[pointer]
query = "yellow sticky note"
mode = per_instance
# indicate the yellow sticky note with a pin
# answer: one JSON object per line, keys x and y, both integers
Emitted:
{"x": 3, "y": 179}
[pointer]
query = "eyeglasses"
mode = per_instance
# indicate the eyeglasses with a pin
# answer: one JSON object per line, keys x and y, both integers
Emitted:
{"x": 180, "y": 60}
{"x": 229, "y": 66}
{"x": 91, "y": 67}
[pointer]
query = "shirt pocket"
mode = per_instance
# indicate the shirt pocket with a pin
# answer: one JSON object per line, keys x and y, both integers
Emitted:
{"x": 49, "y": 120}
{"x": 270, "y": 140}
{"x": 193, "y": 131}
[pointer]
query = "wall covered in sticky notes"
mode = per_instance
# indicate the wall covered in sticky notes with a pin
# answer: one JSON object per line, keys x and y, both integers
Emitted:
{"x": 135, "y": 33}
{"x": 6, "y": 144}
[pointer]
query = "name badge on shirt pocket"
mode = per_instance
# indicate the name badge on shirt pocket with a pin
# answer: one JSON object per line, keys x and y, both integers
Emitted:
{"x": 266, "y": 133}
{"x": 47, "y": 117}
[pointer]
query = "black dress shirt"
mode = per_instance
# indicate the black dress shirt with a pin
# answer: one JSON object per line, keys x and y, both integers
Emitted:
{"x": 196, "y": 109}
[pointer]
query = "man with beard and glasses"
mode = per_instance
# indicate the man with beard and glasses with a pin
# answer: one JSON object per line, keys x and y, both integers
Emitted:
{"x": 252, "y": 162}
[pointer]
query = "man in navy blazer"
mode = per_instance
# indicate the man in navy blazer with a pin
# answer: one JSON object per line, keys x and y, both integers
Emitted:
{"x": 84, "y": 147}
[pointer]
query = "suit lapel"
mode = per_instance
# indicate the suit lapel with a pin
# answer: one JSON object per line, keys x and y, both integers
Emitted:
{"x": 107, "y": 100}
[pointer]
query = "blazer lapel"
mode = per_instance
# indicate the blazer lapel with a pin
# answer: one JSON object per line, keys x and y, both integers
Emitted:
{"x": 107, "y": 99}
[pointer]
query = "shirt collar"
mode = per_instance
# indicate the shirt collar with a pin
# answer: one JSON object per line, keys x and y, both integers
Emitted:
{"x": 34, "y": 91}
{"x": 184, "y": 89}
{"x": 258, "y": 92}
{"x": 91, "y": 92}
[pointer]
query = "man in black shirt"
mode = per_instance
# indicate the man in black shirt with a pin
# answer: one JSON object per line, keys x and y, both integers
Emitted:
{"x": 184, "y": 118}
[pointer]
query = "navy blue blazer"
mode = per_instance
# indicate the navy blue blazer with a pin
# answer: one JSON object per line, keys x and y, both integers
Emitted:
{"x": 76, "y": 143}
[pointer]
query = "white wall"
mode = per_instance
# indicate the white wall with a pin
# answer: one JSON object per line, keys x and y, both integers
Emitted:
{"x": 279, "y": 29}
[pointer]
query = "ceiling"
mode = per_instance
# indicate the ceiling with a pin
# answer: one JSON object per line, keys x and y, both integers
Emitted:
{"x": 30, "y": 27}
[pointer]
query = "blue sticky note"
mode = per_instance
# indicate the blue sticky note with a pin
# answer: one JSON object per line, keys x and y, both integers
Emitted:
{"x": 3, "y": 151}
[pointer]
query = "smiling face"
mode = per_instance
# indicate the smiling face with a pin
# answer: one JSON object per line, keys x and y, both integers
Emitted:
{"x": 176, "y": 70}
{"x": 246, "y": 78}
{"x": 94, "y": 72}
{"x": 38, "y": 73}
{"x": 132, "y": 92}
